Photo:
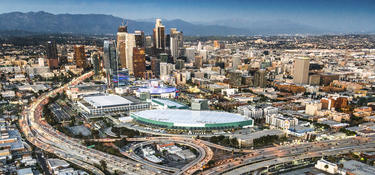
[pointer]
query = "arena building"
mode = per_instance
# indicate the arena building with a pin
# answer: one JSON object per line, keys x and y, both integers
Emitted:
{"x": 192, "y": 120}
{"x": 102, "y": 104}
{"x": 158, "y": 92}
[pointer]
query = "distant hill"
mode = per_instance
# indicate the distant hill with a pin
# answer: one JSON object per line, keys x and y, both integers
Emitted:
{"x": 43, "y": 22}
{"x": 98, "y": 24}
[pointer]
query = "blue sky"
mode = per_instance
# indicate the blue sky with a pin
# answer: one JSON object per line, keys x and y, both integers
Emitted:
{"x": 319, "y": 13}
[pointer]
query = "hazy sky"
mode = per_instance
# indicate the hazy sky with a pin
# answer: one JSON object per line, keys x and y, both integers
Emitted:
{"x": 320, "y": 13}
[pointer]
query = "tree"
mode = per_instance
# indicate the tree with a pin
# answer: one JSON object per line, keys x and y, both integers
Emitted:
{"x": 103, "y": 164}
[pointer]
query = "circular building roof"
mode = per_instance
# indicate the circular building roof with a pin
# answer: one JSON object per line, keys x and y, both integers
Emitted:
{"x": 189, "y": 118}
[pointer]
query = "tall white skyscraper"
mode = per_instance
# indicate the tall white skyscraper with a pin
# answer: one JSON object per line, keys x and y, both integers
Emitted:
{"x": 176, "y": 43}
{"x": 159, "y": 35}
{"x": 130, "y": 44}
{"x": 301, "y": 70}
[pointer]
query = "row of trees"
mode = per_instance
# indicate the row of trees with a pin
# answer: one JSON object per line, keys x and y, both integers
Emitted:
{"x": 225, "y": 141}
{"x": 267, "y": 140}
{"x": 119, "y": 131}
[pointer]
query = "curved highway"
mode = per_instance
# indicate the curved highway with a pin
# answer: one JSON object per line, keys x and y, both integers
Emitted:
{"x": 274, "y": 154}
{"x": 42, "y": 135}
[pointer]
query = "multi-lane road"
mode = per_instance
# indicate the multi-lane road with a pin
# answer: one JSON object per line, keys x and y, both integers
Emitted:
{"x": 42, "y": 135}
{"x": 280, "y": 154}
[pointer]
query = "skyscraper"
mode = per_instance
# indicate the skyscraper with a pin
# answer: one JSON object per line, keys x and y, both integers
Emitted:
{"x": 163, "y": 57}
{"x": 198, "y": 61}
{"x": 159, "y": 35}
{"x": 79, "y": 56}
{"x": 260, "y": 78}
{"x": 301, "y": 70}
{"x": 110, "y": 61}
{"x": 155, "y": 66}
{"x": 96, "y": 63}
{"x": 176, "y": 43}
{"x": 121, "y": 54}
{"x": 139, "y": 62}
{"x": 52, "y": 58}
{"x": 121, "y": 44}
{"x": 148, "y": 41}
{"x": 63, "y": 58}
{"x": 180, "y": 64}
{"x": 140, "y": 40}
{"x": 130, "y": 44}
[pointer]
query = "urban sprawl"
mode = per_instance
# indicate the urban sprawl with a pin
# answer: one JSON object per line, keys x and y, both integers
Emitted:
{"x": 166, "y": 103}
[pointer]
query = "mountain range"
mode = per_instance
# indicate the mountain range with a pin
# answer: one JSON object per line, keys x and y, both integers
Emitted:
{"x": 43, "y": 22}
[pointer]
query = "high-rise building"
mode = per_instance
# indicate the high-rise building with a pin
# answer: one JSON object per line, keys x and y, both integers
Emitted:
{"x": 121, "y": 45}
{"x": 63, "y": 58}
{"x": 176, "y": 43}
{"x": 139, "y": 62}
{"x": 52, "y": 58}
{"x": 148, "y": 42}
{"x": 180, "y": 64}
{"x": 155, "y": 66}
{"x": 130, "y": 44}
{"x": 167, "y": 41}
{"x": 110, "y": 60}
{"x": 159, "y": 35}
{"x": 163, "y": 57}
{"x": 235, "y": 79}
{"x": 236, "y": 61}
{"x": 204, "y": 54}
{"x": 140, "y": 40}
{"x": 198, "y": 61}
{"x": 190, "y": 54}
{"x": 95, "y": 57}
{"x": 79, "y": 56}
{"x": 121, "y": 54}
{"x": 301, "y": 70}
{"x": 260, "y": 78}
{"x": 164, "y": 69}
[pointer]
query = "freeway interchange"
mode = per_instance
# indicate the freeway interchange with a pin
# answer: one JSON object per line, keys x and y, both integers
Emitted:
{"x": 261, "y": 158}
{"x": 42, "y": 135}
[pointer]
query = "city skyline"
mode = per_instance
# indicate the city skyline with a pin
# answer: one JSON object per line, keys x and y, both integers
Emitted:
{"x": 246, "y": 87}
{"x": 342, "y": 16}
